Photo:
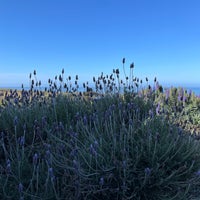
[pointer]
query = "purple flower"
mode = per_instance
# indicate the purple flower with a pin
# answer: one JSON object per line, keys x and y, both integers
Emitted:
{"x": 21, "y": 140}
{"x": 120, "y": 106}
{"x": 130, "y": 122}
{"x": 147, "y": 171}
{"x": 96, "y": 144}
{"x": 47, "y": 146}
{"x": 51, "y": 172}
{"x": 92, "y": 150}
{"x": 198, "y": 173}
{"x": 85, "y": 120}
{"x": 75, "y": 165}
{"x": 16, "y": 100}
{"x": 77, "y": 116}
{"x": 20, "y": 188}
{"x": 124, "y": 164}
{"x": 44, "y": 121}
{"x": 179, "y": 97}
{"x": 167, "y": 94}
{"x": 48, "y": 153}
{"x": 184, "y": 98}
{"x": 2, "y": 135}
{"x": 8, "y": 166}
{"x": 101, "y": 182}
{"x": 157, "y": 85}
{"x": 181, "y": 91}
{"x": 24, "y": 127}
{"x": 35, "y": 159}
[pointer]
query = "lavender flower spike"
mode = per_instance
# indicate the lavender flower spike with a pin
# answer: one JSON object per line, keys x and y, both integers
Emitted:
{"x": 20, "y": 188}
{"x": 101, "y": 182}
{"x": 147, "y": 171}
{"x": 35, "y": 159}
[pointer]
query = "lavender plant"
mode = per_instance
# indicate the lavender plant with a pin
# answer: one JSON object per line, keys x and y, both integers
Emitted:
{"x": 116, "y": 141}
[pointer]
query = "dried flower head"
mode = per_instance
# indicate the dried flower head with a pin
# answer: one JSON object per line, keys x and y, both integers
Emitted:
{"x": 60, "y": 78}
{"x": 132, "y": 65}
{"x": 117, "y": 71}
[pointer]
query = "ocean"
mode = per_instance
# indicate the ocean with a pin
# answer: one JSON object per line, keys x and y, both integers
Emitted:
{"x": 196, "y": 90}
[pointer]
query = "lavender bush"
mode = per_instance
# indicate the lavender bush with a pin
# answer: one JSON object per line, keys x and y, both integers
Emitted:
{"x": 116, "y": 141}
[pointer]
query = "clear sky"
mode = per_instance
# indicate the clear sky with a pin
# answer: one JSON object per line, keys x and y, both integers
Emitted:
{"x": 87, "y": 37}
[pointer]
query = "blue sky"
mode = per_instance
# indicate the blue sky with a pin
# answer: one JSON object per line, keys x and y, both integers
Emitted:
{"x": 87, "y": 37}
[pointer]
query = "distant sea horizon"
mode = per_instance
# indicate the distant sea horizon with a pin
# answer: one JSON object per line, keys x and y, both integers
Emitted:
{"x": 196, "y": 90}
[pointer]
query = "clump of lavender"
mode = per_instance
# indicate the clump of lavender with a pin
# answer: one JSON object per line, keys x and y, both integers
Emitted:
{"x": 116, "y": 140}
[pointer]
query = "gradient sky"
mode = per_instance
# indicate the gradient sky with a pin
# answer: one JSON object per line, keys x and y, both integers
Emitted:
{"x": 86, "y": 37}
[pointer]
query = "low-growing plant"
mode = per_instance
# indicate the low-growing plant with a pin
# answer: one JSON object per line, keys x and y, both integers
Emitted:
{"x": 115, "y": 141}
